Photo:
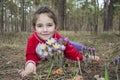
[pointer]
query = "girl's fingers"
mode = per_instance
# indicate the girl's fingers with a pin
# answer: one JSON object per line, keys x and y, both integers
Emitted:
{"x": 26, "y": 73}
{"x": 96, "y": 58}
{"x": 23, "y": 74}
{"x": 28, "y": 70}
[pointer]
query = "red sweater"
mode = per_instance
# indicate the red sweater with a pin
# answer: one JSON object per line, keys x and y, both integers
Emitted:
{"x": 31, "y": 55}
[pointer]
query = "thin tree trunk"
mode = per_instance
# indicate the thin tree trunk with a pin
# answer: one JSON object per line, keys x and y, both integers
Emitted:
{"x": 108, "y": 20}
{"x": 61, "y": 13}
{"x": 36, "y": 3}
{"x": 105, "y": 28}
{"x": 11, "y": 25}
{"x": 23, "y": 18}
{"x": 96, "y": 18}
{"x": 50, "y": 3}
{"x": 119, "y": 24}
{"x": 6, "y": 21}
{"x": 2, "y": 16}
{"x": 16, "y": 19}
{"x": 110, "y": 15}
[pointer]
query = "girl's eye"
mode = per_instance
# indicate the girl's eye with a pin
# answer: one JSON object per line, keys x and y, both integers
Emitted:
{"x": 50, "y": 25}
{"x": 39, "y": 25}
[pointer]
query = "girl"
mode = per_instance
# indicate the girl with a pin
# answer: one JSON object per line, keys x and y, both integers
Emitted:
{"x": 44, "y": 24}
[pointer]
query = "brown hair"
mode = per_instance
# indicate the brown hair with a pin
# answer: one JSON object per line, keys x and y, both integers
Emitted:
{"x": 47, "y": 10}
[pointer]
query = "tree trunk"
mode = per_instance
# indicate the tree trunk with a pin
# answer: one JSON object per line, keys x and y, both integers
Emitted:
{"x": 119, "y": 24}
{"x": 6, "y": 21}
{"x": 11, "y": 21}
{"x": 2, "y": 16}
{"x": 61, "y": 13}
{"x": 105, "y": 28}
{"x": 108, "y": 15}
{"x": 36, "y": 4}
{"x": 95, "y": 18}
{"x": 16, "y": 19}
{"x": 23, "y": 18}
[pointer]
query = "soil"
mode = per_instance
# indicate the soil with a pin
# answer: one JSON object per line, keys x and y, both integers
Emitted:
{"x": 12, "y": 59}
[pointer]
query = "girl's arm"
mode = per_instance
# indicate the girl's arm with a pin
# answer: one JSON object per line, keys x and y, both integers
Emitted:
{"x": 31, "y": 51}
{"x": 72, "y": 53}
{"x": 73, "y": 50}
{"x": 29, "y": 68}
{"x": 31, "y": 59}
{"x": 77, "y": 45}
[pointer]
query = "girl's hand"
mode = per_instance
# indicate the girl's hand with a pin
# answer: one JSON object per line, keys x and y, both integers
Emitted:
{"x": 95, "y": 58}
{"x": 29, "y": 68}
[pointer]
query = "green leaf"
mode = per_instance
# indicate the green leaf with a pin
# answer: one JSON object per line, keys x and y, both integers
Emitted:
{"x": 106, "y": 74}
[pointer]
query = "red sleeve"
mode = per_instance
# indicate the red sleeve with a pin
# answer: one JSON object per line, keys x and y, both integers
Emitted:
{"x": 30, "y": 51}
{"x": 71, "y": 53}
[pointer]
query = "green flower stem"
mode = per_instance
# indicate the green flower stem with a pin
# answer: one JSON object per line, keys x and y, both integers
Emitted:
{"x": 38, "y": 76}
{"x": 74, "y": 73}
{"x": 49, "y": 71}
{"x": 117, "y": 72}
{"x": 106, "y": 74}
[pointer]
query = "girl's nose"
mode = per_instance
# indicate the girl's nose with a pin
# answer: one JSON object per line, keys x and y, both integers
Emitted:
{"x": 44, "y": 28}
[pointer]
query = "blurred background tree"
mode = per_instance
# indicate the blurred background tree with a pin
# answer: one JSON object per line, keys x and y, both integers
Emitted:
{"x": 73, "y": 15}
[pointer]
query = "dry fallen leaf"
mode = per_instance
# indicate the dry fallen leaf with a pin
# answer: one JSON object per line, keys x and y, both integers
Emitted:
{"x": 78, "y": 77}
{"x": 59, "y": 71}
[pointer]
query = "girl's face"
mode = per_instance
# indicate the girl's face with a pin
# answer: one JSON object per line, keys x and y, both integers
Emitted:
{"x": 45, "y": 26}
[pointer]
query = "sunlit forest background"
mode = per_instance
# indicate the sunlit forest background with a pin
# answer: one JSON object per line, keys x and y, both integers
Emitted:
{"x": 78, "y": 15}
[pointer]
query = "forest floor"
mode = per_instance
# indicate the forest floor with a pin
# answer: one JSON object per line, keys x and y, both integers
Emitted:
{"x": 12, "y": 58}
